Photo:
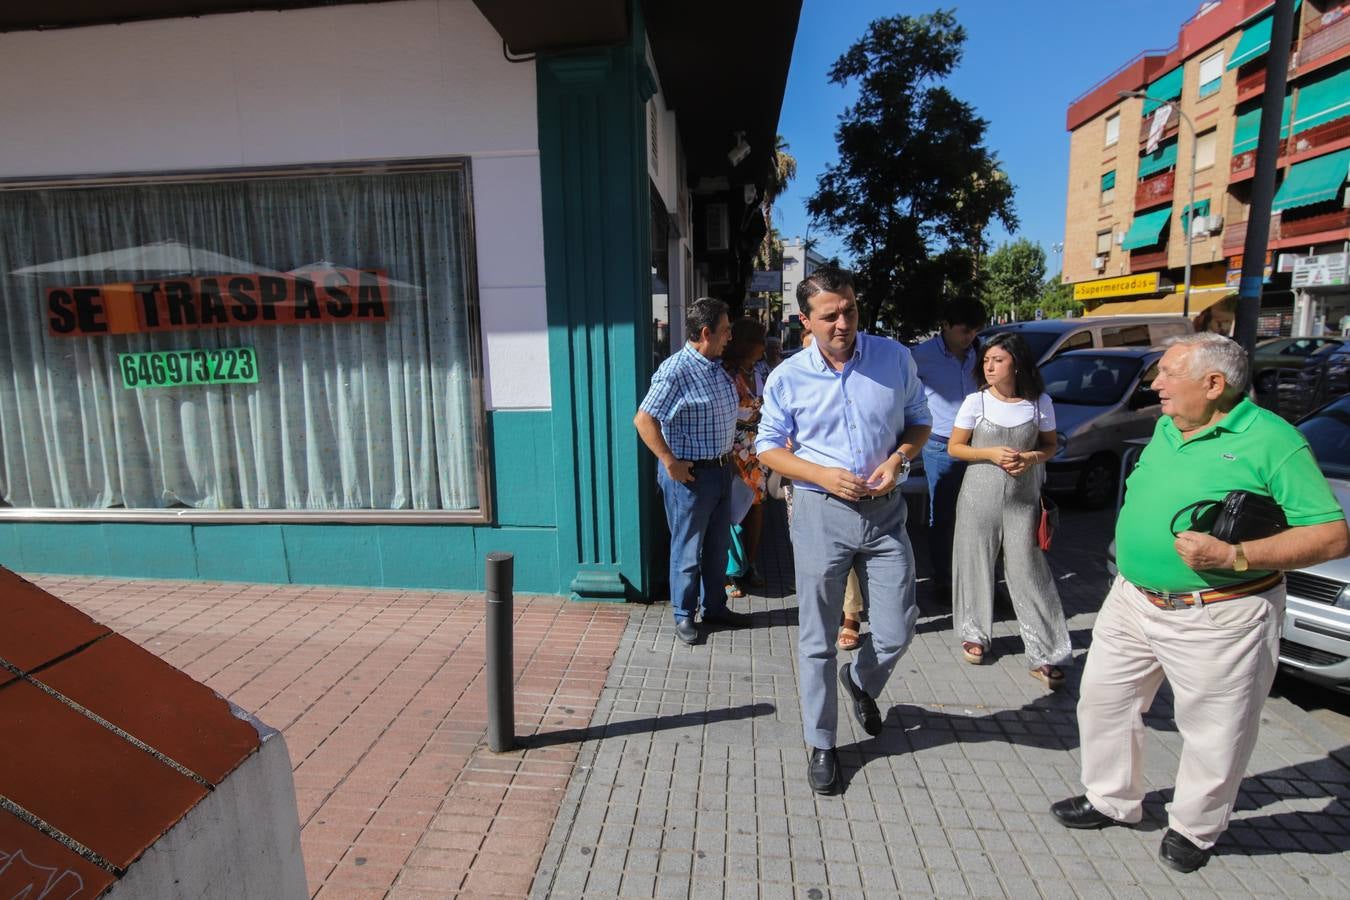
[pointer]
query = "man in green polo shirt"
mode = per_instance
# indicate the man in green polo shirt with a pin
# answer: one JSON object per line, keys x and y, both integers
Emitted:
{"x": 1190, "y": 608}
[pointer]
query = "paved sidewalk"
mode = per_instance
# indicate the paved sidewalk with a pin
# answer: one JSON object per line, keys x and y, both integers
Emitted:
{"x": 698, "y": 789}
{"x": 381, "y": 699}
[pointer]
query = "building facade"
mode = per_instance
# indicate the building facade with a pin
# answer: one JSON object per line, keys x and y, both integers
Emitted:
{"x": 1129, "y": 218}
{"x": 358, "y": 293}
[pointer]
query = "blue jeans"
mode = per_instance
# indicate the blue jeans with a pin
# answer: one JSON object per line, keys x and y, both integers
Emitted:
{"x": 944, "y": 474}
{"x": 699, "y": 516}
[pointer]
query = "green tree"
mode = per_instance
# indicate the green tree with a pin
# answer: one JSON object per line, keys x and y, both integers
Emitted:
{"x": 1014, "y": 274}
{"x": 915, "y": 189}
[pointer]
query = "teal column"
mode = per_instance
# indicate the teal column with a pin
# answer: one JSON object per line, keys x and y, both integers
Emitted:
{"x": 596, "y": 201}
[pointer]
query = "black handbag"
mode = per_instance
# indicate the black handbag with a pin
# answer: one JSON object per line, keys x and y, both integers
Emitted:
{"x": 1239, "y": 516}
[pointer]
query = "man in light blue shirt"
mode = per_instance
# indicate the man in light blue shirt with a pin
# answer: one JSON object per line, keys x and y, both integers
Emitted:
{"x": 946, "y": 364}
{"x": 842, "y": 419}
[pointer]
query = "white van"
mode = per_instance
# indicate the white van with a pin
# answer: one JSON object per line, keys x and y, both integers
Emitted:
{"x": 1050, "y": 337}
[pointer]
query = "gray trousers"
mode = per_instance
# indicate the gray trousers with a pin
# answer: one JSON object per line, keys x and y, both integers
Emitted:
{"x": 828, "y": 535}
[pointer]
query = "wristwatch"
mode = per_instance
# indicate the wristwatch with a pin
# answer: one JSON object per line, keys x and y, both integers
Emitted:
{"x": 1239, "y": 558}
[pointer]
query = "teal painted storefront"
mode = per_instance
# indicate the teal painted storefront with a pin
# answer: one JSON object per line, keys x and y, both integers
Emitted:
{"x": 572, "y": 494}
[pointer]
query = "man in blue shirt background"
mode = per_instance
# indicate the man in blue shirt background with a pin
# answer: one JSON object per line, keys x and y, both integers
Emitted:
{"x": 688, "y": 419}
{"x": 853, "y": 410}
{"x": 946, "y": 364}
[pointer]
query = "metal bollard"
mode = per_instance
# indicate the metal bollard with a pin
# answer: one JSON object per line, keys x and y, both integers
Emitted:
{"x": 501, "y": 705}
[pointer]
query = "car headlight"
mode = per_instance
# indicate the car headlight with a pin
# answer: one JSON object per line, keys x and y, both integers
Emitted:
{"x": 1343, "y": 598}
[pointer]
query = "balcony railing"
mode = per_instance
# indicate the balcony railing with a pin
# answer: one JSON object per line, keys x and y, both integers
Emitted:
{"x": 1321, "y": 136}
{"x": 1325, "y": 39}
{"x": 1235, "y": 235}
{"x": 1155, "y": 190}
{"x": 1148, "y": 260}
{"x": 1333, "y": 221}
{"x": 1251, "y": 81}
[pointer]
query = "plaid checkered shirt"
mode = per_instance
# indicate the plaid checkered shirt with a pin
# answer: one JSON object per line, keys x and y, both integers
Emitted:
{"x": 695, "y": 401}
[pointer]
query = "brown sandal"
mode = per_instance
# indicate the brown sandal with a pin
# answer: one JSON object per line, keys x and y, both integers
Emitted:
{"x": 973, "y": 652}
{"x": 848, "y": 635}
{"x": 1051, "y": 676}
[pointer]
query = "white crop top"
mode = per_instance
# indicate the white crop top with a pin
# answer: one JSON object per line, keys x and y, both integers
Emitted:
{"x": 983, "y": 404}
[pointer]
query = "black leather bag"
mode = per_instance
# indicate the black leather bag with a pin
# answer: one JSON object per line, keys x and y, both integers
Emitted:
{"x": 1239, "y": 516}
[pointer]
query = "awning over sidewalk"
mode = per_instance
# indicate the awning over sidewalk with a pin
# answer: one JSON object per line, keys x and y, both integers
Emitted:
{"x": 1201, "y": 299}
{"x": 1147, "y": 229}
{"x": 1313, "y": 181}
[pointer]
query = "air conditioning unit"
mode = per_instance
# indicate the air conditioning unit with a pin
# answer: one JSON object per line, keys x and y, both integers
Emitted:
{"x": 1099, "y": 263}
{"x": 1120, "y": 237}
{"x": 1206, "y": 225}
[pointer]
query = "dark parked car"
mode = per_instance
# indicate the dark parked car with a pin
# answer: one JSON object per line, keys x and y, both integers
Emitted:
{"x": 1103, "y": 398}
{"x": 1327, "y": 373}
{"x": 1283, "y": 353}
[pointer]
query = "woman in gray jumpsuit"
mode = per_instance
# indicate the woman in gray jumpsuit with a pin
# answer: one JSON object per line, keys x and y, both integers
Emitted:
{"x": 1006, "y": 431}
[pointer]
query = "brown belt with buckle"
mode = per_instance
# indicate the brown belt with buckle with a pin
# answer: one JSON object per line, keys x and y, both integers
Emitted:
{"x": 1169, "y": 601}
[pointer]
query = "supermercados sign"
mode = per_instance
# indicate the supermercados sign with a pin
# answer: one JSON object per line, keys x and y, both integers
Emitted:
{"x": 1125, "y": 286}
{"x": 218, "y": 301}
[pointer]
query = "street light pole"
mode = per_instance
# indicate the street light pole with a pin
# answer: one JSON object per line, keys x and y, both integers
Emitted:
{"x": 1190, "y": 214}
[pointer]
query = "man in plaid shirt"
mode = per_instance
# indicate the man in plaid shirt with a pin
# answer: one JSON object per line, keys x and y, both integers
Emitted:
{"x": 688, "y": 419}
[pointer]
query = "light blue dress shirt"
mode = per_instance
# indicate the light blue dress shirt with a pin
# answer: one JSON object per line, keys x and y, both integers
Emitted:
{"x": 947, "y": 380}
{"x": 696, "y": 403}
{"x": 851, "y": 419}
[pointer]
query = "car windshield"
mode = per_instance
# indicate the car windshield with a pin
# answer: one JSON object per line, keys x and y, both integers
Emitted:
{"x": 1038, "y": 341}
{"x": 1328, "y": 434}
{"x": 1089, "y": 380}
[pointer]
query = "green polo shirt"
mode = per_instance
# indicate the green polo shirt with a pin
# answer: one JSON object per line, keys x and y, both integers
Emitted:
{"x": 1249, "y": 449}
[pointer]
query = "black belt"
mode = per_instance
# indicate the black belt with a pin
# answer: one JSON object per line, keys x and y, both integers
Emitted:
{"x": 716, "y": 462}
{"x": 869, "y": 498}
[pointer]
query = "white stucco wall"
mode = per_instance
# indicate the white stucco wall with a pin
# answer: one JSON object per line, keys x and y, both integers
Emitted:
{"x": 424, "y": 78}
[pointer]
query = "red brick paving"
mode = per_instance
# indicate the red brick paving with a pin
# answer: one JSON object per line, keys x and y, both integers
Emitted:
{"x": 380, "y": 696}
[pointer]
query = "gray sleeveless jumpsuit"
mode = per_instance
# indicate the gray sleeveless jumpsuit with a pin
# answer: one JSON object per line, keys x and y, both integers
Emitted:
{"x": 996, "y": 509}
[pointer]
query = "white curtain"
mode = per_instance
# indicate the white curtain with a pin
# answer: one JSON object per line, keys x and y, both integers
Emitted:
{"x": 367, "y": 415}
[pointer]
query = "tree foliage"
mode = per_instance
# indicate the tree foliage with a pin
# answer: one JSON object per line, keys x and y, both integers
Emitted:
{"x": 915, "y": 188}
{"x": 1013, "y": 274}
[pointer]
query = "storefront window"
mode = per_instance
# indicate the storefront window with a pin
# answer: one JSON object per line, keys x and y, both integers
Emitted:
{"x": 287, "y": 343}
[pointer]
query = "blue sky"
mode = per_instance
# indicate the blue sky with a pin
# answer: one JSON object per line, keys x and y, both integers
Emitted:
{"x": 1025, "y": 60}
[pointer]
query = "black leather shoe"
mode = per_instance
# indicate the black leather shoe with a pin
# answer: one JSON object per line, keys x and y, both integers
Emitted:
{"x": 727, "y": 618}
{"x": 864, "y": 707}
{"x": 1077, "y": 812}
{"x": 822, "y": 771}
{"x": 1180, "y": 854}
{"x": 686, "y": 630}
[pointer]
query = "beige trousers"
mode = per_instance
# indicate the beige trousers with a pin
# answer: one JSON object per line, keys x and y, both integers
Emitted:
{"x": 1220, "y": 661}
{"x": 853, "y": 603}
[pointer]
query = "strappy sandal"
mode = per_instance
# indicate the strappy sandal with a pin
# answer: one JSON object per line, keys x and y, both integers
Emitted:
{"x": 735, "y": 590}
{"x": 973, "y": 652}
{"x": 848, "y": 635}
{"x": 1051, "y": 676}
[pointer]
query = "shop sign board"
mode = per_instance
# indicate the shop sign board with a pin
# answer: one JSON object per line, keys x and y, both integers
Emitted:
{"x": 770, "y": 282}
{"x": 1124, "y": 286}
{"x": 1322, "y": 270}
{"x": 1233, "y": 277}
{"x": 218, "y": 301}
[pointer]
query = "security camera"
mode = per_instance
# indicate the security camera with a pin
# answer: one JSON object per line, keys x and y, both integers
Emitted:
{"x": 737, "y": 154}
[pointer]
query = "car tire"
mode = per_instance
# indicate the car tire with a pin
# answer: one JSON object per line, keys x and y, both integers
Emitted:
{"x": 1097, "y": 482}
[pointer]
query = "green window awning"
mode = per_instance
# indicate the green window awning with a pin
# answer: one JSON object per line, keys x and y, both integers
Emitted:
{"x": 1249, "y": 128}
{"x": 1255, "y": 40}
{"x": 1324, "y": 100}
{"x": 1201, "y": 209}
{"x": 1313, "y": 181}
{"x": 1165, "y": 157}
{"x": 1109, "y": 180}
{"x": 1168, "y": 87}
{"x": 1146, "y": 230}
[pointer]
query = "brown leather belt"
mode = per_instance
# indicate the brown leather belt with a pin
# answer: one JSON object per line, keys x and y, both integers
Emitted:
{"x": 1170, "y": 601}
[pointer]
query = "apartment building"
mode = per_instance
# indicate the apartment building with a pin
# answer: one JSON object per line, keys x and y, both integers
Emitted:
{"x": 1129, "y": 214}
